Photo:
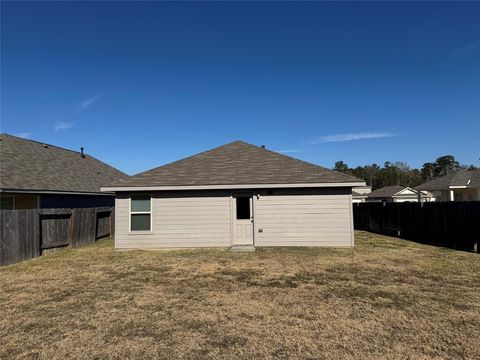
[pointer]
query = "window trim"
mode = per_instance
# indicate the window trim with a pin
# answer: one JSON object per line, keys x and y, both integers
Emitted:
{"x": 13, "y": 200}
{"x": 130, "y": 213}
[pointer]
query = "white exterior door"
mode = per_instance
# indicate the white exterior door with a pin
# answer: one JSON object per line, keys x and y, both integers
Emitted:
{"x": 243, "y": 220}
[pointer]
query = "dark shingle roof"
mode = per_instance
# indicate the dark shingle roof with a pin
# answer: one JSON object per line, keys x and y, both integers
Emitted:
{"x": 31, "y": 165}
{"x": 459, "y": 178}
{"x": 237, "y": 163}
{"x": 387, "y": 191}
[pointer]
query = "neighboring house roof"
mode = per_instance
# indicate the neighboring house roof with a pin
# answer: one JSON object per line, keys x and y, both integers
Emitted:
{"x": 467, "y": 178}
{"x": 359, "y": 195}
{"x": 31, "y": 165}
{"x": 387, "y": 191}
{"x": 397, "y": 191}
{"x": 236, "y": 163}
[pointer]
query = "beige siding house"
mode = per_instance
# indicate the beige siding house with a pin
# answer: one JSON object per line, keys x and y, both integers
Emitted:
{"x": 236, "y": 195}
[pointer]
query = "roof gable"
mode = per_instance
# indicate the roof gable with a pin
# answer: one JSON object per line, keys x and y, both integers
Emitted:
{"x": 31, "y": 165}
{"x": 406, "y": 192}
{"x": 236, "y": 163}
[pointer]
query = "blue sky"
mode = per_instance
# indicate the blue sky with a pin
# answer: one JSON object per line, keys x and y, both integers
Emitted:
{"x": 142, "y": 84}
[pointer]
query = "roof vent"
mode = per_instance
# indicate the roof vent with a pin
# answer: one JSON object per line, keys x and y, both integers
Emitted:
{"x": 45, "y": 146}
{"x": 81, "y": 152}
{"x": 262, "y": 146}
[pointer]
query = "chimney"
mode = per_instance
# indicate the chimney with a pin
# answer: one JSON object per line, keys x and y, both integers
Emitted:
{"x": 81, "y": 152}
{"x": 262, "y": 146}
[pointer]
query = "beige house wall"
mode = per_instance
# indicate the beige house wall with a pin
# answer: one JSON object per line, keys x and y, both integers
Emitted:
{"x": 293, "y": 217}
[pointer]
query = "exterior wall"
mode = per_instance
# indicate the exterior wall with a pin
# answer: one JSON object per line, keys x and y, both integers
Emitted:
{"x": 46, "y": 201}
{"x": 75, "y": 201}
{"x": 466, "y": 194}
{"x": 179, "y": 219}
{"x": 443, "y": 195}
{"x": 303, "y": 217}
{"x": 22, "y": 201}
{"x": 459, "y": 194}
{"x": 405, "y": 199}
{"x": 380, "y": 199}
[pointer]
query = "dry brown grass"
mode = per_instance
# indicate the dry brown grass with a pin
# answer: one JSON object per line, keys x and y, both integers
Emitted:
{"x": 387, "y": 298}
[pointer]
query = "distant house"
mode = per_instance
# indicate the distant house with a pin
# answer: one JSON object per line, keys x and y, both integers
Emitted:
{"x": 38, "y": 175}
{"x": 397, "y": 193}
{"x": 234, "y": 195}
{"x": 360, "y": 193}
{"x": 463, "y": 185}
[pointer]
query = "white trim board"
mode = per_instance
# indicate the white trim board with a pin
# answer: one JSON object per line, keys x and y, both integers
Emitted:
{"x": 226, "y": 187}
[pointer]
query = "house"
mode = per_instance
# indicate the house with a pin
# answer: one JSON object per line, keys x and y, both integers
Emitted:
{"x": 235, "y": 194}
{"x": 463, "y": 185}
{"x": 398, "y": 193}
{"x": 38, "y": 175}
{"x": 360, "y": 193}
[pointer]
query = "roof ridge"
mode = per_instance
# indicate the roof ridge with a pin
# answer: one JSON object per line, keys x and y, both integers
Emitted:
{"x": 189, "y": 157}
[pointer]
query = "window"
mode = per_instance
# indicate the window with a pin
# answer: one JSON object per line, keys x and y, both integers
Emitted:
{"x": 243, "y": 208}
{"x": 6, "y": 203}
{"x": 140, "y": 213}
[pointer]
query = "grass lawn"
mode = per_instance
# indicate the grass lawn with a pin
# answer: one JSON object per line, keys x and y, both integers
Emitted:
{"x": 387, "y": 298}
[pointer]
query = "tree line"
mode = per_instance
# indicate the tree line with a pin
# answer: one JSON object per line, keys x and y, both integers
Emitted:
{"x": 399, "y": 173}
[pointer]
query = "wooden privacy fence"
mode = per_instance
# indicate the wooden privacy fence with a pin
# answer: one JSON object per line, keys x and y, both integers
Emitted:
{"x": 454, "y": 224}
{"x": 25, "y": 234}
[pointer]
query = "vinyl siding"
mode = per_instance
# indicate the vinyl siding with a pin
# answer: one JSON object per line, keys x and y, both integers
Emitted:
{"x": 293, "y": 217}
{"x": 178, "y": 221}
{"x": 311, "y": 218}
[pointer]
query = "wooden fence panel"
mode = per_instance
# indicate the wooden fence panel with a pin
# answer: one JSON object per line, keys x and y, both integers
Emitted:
{"x": 18, "y": 236}
{"x": 103, "y": 224}
{"x": 450, "y": 224}
{"x": 25, "y": 233}
{"x": 83, "y": 227}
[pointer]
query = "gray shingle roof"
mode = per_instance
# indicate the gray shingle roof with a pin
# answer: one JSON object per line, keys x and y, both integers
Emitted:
{"x": 237, "y": 163}
{"x": 459, "y": 178}
{"x": 387, "y": 191}
{"x": 354, "y": 193}
{"x": 32, "y": 165}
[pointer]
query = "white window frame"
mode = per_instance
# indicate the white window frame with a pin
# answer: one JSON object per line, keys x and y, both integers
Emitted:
{"x": 13, "y": 200}
{"x": 130, "y": 213}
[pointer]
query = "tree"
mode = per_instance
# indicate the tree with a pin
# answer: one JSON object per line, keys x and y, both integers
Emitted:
{"x": 399, "y": 173}
{"x": 340, "y": 166}
{"x": 429, "y": 171}
{"x": 446, "y": 165}
{"x": 368, "y": 173}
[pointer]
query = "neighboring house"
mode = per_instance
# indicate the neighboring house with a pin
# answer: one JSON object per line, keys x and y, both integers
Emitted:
{"x": 38, "y": 175}
{"x": 236, "y": 194}
{"x": 397, "y": 193}
{"x": 463, "y": 185}
{"x": 360, "y": 193}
